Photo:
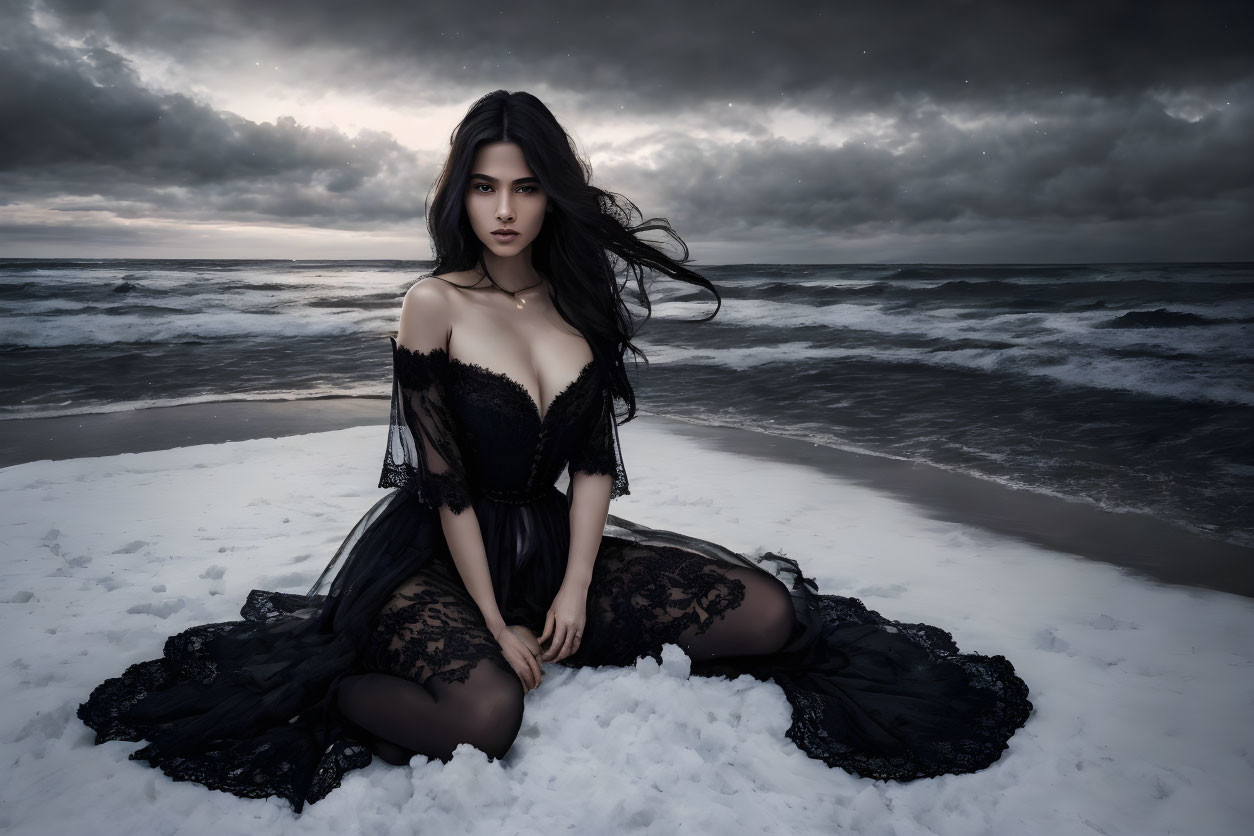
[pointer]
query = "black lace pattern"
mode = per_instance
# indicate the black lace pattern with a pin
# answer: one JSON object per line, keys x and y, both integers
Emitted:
{"x": 432, "y": 628}
{"x": 986, "y": 704}
{"x": 639, "y": 599}
{"x": 300, "y": 759}
{"x": 885, "y": 699}
{"x": 642, "y": 597}
{"x": 510, "y": 396}
{"x": 601, "y": 453}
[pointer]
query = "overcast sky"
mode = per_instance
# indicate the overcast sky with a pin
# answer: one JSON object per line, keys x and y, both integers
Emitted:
{"x": 764, "y": 131}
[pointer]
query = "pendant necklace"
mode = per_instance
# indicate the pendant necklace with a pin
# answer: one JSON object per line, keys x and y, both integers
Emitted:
{"x": 518, "y": 303}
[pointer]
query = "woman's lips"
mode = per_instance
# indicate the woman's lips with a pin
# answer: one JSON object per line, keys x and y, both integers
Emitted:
{"x": 505, "y": 237}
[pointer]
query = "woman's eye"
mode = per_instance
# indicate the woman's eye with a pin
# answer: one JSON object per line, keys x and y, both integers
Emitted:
{"x": 529, "y": 189}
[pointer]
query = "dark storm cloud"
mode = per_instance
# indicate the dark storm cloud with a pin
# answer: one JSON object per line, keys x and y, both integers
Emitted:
{"x": 79, "y": 121}
{"x": 1014, "y": 117}
{"x": 659, "y": 53}
{"x": 1075, "y": 170}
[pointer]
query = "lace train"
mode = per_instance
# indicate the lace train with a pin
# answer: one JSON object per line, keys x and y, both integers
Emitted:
{"x": 254, "y": 711}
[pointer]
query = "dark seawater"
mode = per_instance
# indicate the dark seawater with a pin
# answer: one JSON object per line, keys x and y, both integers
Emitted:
{"x": 1124, "y": 385}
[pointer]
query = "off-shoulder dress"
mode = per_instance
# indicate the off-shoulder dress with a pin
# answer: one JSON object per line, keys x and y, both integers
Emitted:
{"x": 248, "y": 706}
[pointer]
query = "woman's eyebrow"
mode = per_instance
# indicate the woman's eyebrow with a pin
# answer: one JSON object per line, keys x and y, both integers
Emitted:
{"x": 516, "y": 182}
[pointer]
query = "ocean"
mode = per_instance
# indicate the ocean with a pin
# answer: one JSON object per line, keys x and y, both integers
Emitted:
{"x": 1126, "y": 386}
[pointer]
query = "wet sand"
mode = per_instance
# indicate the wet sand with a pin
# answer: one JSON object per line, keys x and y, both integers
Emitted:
{"x": 161, "y": 428}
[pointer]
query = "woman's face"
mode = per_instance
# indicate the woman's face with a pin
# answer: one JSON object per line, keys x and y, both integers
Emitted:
{"x": 504, "y": 194}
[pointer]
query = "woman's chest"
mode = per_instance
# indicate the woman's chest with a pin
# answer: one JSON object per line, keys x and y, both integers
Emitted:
{"x": 535, "y": 352}
{"x": 501, "y": 426}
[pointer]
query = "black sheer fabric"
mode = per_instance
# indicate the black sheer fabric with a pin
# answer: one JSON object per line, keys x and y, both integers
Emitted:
{"x": 423, "y": 455}
{"x": 305, "y": 687}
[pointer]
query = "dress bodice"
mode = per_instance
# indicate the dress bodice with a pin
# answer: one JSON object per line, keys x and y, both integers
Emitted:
{"x": 510, "y": 451}
{"x": 463, "y": 435}
{"x": 460, "y": 431}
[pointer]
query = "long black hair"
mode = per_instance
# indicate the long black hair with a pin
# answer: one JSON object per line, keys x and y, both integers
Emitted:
{"x": 585, "y": 227}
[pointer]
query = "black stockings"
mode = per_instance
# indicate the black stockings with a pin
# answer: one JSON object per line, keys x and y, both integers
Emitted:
{"x": 760, "y": 624}
{"x": 480, "y": 701}
{"x": 405, "y": 717}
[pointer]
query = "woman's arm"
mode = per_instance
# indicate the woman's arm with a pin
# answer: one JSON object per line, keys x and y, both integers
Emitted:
{"x": 465, "y": 543}
{"x": 589, "y": 508}
{"x": 596, "y": 477}
{"x": 426, "y": 325}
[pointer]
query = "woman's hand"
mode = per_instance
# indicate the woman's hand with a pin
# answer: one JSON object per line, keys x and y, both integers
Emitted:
{"x": 563, "y": 626}
{"x": 528, "y": 637}
{"x": 521, "y": 649}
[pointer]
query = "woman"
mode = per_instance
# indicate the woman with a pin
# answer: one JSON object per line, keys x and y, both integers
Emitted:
{"x": 435, "y": 616}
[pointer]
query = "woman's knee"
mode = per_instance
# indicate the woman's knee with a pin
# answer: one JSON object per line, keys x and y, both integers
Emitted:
{"x": 781, "y": 615}
{"x": 498, "y": 719}
{"x": 490, "y": 704}
{"x": 770, "y": 606}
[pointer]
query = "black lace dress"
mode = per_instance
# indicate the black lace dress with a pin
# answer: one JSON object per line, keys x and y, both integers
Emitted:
{"x": 249, "y": 706}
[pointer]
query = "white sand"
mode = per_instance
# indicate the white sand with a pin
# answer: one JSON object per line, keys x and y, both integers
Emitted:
{"x": 1143, "y": 692}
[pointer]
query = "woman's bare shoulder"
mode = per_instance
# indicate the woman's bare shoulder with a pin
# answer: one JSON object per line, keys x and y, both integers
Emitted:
{"x": 427, "y": 312}
{"x": 433, "y": 289}
{"x": 458, "y": 278}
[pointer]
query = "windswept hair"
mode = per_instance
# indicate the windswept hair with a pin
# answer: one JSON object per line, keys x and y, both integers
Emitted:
{"x": 586, "y": 227}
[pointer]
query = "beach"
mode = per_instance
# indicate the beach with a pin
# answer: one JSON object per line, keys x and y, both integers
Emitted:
{"x": 1136, "y": 541}
{"x": 1134, "y": 637}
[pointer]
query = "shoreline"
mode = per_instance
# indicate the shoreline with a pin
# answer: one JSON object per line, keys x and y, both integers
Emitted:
{"x": 163, "y": 427}
{"x": 1148, "y": 547}
{"x": 1151, "y": 548}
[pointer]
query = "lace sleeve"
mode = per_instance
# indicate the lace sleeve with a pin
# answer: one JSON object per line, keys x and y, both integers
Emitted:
{"x": 600, "y": 452}
{"x": 422, "y": 453}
